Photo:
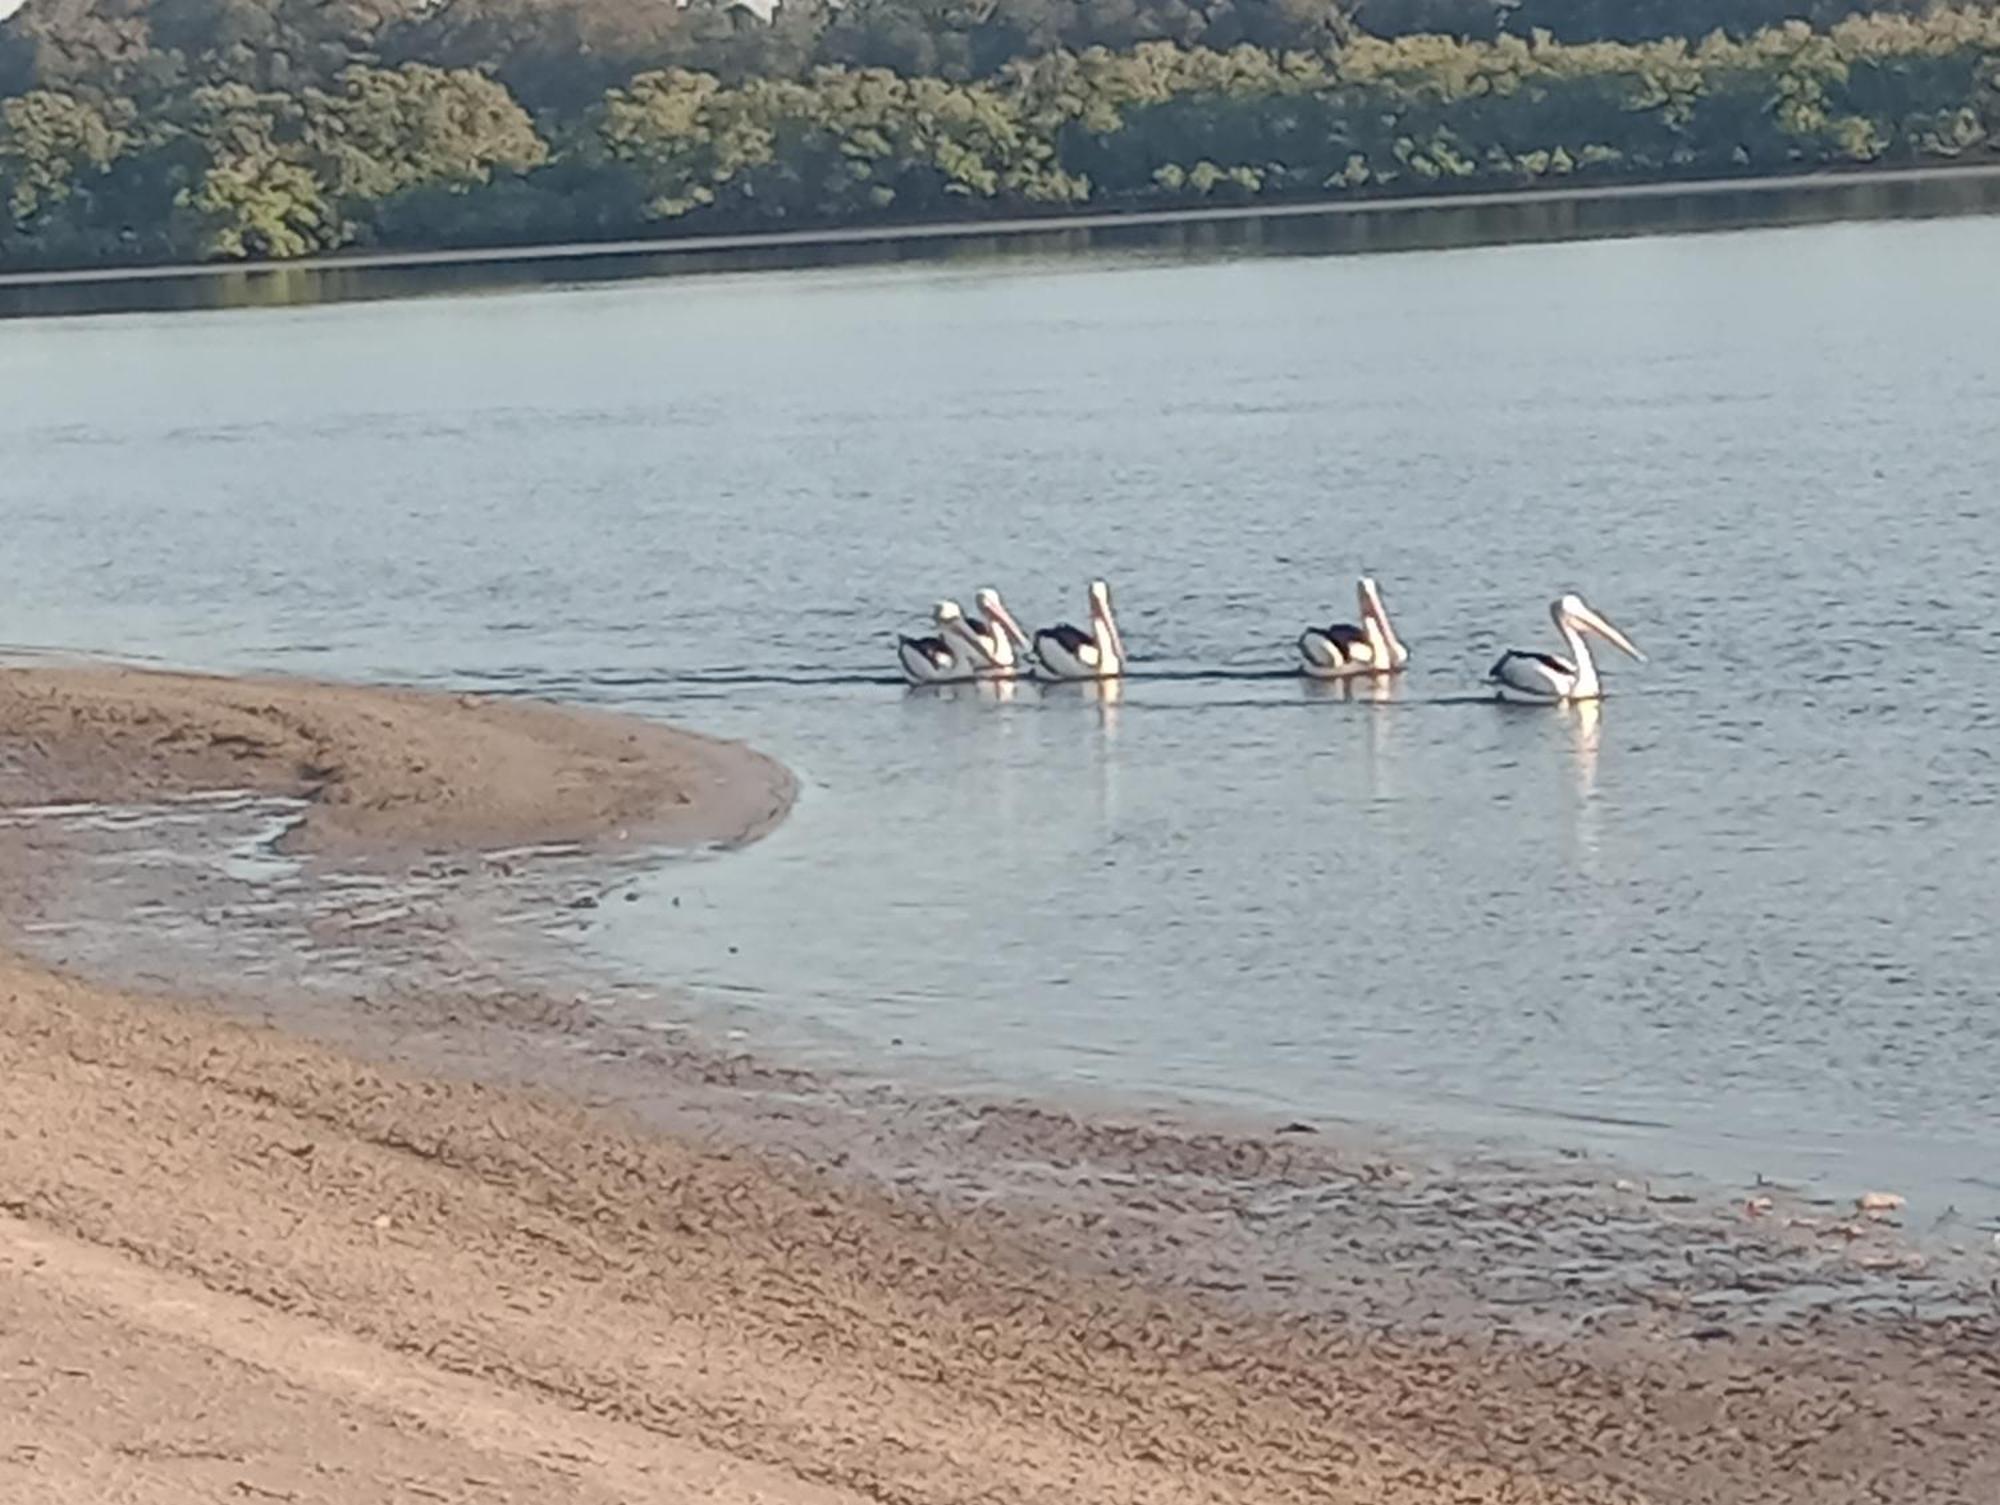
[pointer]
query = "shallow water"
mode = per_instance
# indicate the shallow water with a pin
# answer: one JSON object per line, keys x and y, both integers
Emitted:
{"x": 1735, "y": 922}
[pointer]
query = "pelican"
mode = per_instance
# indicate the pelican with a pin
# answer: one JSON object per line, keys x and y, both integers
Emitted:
{"x": 1545, "y": 679}
{"x": 1344, "y": 651}
{"x": 1068, "y": 652}
{"x": 953, "y": 654}
{"x": 1002, "y": 645}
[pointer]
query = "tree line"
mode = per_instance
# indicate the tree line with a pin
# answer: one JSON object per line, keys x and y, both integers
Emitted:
{"x": 202, "y": 129}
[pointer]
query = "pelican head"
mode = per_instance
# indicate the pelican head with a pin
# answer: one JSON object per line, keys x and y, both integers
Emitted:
{"x": 995, "y": 611}
{"x": 1100, "y": 597}
{"x": 947, "y": 613}
{"x": 1390, "y": 655}
{"x": 1105, "y": 628}
{"x": 1371, "y": 601}
{"x": 1574, "y": 609}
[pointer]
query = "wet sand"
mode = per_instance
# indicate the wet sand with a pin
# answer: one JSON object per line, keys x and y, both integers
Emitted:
{"x": 383, "y": 771}
{"x": 504, "y": 1248}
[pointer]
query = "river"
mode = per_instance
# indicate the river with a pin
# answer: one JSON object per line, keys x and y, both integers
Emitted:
{"x": 1735, "y": 922}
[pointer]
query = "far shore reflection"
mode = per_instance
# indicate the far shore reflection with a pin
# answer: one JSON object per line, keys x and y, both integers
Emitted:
{"x": 1431, "y": 223}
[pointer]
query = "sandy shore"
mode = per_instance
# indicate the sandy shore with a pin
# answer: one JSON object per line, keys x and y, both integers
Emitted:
{"x": 236, "y": 1263}
{"x": 384, "y": 771}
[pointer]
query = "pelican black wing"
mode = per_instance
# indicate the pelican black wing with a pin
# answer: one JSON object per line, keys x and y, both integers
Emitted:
{"x": 1547, "y": 660}
{"x": 1072, "y": 639}
{"x": 936, "y": 650}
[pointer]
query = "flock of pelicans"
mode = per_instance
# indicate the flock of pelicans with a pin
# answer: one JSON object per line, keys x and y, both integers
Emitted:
{"x": 993, "y": 646}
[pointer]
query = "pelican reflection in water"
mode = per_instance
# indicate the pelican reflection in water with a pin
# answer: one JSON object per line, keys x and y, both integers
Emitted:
{"x": 1586, "y": 726}
{"x": 1356, "y": 689}
{"x": 1105, "y": 694}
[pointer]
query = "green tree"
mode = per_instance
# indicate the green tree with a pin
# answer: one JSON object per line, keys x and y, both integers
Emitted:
{"x": 253, "y": 195}
{"x": 238, "y": 128}
{"x": 390, "y": 130}
{"x": 53, "y": 148}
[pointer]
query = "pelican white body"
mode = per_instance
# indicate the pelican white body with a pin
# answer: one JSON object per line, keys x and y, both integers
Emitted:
{"x": 1347, "y": 651}
{"x": 1533, "y": 678}
{"x": 1067, "y": 652}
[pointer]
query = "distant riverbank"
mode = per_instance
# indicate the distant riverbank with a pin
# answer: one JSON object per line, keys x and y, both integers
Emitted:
{"x": 1345, "y": 226}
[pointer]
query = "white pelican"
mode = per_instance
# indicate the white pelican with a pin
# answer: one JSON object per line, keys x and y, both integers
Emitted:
{"x": 1068, "y": 652}
{"x": 953, "y": 654}
{"x": 1345, "y": 651}
{"x": 1545, "y": 679}
{"x": 1002, "y": 644}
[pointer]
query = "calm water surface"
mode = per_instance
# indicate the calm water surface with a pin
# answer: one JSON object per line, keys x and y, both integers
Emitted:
{"x": 1738, "y": 921}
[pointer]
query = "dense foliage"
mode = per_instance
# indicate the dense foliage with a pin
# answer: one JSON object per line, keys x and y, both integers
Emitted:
{"x": 182, "y": 129}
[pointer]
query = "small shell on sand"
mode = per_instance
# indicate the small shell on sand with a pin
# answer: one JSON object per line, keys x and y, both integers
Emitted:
{"x": 1879, "y": 1201}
